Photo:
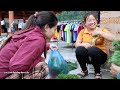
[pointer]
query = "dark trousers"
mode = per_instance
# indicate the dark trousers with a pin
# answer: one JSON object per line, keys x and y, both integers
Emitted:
{"x": 93, "y": 55}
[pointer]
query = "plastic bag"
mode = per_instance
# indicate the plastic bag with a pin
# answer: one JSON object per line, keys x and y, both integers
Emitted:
{"x": 57, "y": 64}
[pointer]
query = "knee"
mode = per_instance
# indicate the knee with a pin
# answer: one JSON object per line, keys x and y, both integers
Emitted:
{"x": 46, "y": 70}
{"x": 93, "y": 50}
{"x": 80, "y": 50}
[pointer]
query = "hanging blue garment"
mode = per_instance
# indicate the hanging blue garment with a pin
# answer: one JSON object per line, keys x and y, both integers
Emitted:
{"x": 61, "y": 27}
{"x": 75, "y": 35}
{"x": 71, "y": 36}
{"x": 72, "y": 26}
{"x": 65, "y": 36}
{"x": 76, "y": 27}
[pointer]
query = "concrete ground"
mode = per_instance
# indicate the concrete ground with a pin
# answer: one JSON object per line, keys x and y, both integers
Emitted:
{"x": 69, "y": 54}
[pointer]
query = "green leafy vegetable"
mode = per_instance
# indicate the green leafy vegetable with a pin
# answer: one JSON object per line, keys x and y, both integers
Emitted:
{"x": 68, "y": 76}
{"x": 52, "y": 59}
{"x": 116, "y": 44}
{"x": 71, "y": 66}
{"x": 95, "y": 38}
{"x": 115, "y": 58}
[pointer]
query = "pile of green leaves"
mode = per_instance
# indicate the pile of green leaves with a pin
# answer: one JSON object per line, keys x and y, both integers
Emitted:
{"x": 71, "y": 66}
{"x": 115, "y": 57}
{"x": 116, "y": 44}
{"x": 68, "y": 76}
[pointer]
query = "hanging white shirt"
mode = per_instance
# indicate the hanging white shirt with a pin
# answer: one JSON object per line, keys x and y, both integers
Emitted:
{"x": 20, "y": 25}
{"x": 2, "y": 22}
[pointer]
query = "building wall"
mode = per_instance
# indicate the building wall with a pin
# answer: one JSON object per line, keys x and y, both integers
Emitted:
{"x": 15, "y": 20}
{"x": 110, "y": 20}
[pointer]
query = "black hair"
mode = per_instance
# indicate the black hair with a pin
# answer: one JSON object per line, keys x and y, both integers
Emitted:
{"x": 88, "y": 14}
{"x": 41, "y": 19}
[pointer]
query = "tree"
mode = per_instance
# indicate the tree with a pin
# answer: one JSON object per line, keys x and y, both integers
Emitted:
{"x": 73, "y": 15}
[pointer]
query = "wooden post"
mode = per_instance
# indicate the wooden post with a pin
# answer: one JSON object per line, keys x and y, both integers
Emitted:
{"x": 11, "y": 19}
{"x": 24, "y": 16}
{"x": 98, "y": 17}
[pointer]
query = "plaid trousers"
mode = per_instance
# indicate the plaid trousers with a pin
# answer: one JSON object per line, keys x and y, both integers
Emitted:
{"x": 39, "y": 72}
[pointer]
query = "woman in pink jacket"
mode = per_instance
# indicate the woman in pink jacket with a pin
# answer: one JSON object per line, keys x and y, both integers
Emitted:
{"x": 20, "y": 57}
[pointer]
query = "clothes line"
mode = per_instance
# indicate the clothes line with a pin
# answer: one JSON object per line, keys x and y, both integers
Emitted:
{"x": 68, "y": 32}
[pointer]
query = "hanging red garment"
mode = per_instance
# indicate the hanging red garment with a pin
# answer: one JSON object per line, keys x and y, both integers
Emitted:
{"x": 80, "y": 28}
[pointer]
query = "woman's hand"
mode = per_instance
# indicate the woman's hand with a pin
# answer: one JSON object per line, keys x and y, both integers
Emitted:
{"x": 114, "y": 70}
{"x": 53, "y": 46}
{"x": 96, "y": 32}
{"x": 106, "y": 35}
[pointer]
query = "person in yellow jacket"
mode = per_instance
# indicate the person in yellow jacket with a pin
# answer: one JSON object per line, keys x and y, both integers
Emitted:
{"x": 90, "y": 45}
{"x": 56, "y": 35}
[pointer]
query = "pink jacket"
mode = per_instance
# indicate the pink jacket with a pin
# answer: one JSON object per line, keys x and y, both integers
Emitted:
{"x": 23, "y": 52}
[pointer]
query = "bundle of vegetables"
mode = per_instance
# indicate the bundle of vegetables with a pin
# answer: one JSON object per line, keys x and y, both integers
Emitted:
{"x": 95, "y": 38}
{"x": 71, "y": 66}
{"x": 116, "y": 44}
{"x": 115, "y": 57}
{"x": 68, "y": 76}
{"x": 58, "y": 66}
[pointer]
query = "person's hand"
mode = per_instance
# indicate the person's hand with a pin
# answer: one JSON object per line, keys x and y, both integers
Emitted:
{"x": 87, "y": 45}
{"x": 53, "y": 46}
{"x": 95, "y": 32}
{"x": 114, "y": 69}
